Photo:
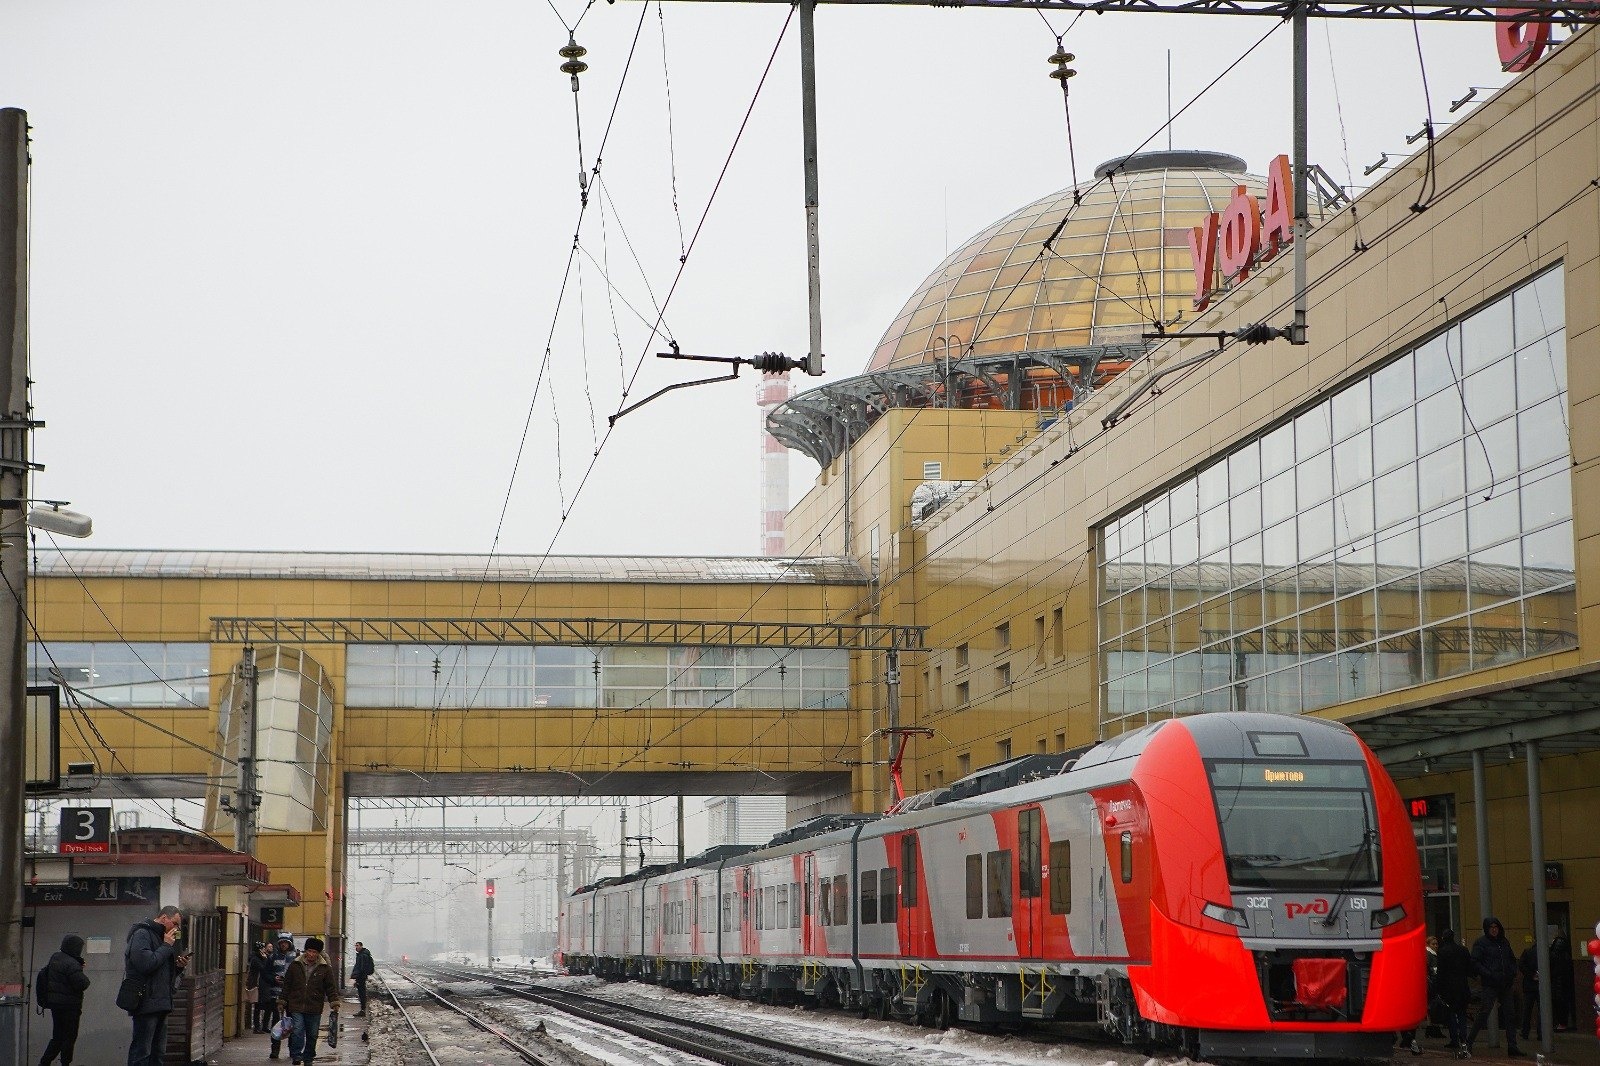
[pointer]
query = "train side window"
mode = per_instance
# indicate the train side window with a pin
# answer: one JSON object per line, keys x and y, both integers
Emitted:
{"x": 772, "y": 906}
{"x": 869, "y": 897}
{"x": 974, "y": 886}
{"x": 783, "y": 906}
{"x": 1127, "y": 857}
{"x": 824, "y": 899}
{"x": 887, "y": 902}
{"x": 807, "y": 891}
{"x": 1000, "y": 884}
{"x": 908, "y": 869}
{"x": 794, "y": 906}
{"x": 1028, "y": 854}
{"x": 841, "y": 899}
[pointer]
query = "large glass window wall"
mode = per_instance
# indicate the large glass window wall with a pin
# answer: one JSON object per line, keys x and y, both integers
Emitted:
{"x": 138, "y": 674}
{"x": 423, "y": 676}
{"x": 1415, "y": 525}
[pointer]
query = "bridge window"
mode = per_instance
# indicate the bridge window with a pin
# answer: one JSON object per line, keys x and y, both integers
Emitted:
{"x": 127, "y": 675}
{"x": 423, "y": 676}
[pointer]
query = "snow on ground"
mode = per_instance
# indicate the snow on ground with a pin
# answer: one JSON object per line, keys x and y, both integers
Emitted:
{"x": 891, "y": 1043}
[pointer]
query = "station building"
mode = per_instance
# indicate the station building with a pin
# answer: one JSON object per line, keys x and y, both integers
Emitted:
{"x": 1063, "y": 527}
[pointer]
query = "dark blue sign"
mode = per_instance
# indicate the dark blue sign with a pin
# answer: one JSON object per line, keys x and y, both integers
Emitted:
{"x": 89, "y": 890}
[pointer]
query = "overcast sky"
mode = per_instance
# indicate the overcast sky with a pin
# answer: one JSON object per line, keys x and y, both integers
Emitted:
{"x": 295, "y": 265}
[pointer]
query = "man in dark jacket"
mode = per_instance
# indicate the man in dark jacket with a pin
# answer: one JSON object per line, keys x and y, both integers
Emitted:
{"x": 283, "y": 956}
{"x": 359, "y": 973}
{"x": 1496, "y": 964}
{"x": 151, "y": 956}
{"x": 308, "y": 984}
{"x": 1453, "y": 983}
{"x": 63, "y": 990}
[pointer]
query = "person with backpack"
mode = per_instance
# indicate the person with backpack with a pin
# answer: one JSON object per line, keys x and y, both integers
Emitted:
{"x": 60, "y": 987}
{"x": 359, "y": 973}
{"x": 307, "y": 986}
{"x": 150, "y": 967}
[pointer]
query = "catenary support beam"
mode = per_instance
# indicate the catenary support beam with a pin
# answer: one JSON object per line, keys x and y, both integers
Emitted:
{"x": 1485, "y": 11}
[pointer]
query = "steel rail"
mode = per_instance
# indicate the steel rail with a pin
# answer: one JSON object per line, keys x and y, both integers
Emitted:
{"x": 530, "y": 1057}
{"x": 604, "y": 1012}
{"x": 401, "y": 1007}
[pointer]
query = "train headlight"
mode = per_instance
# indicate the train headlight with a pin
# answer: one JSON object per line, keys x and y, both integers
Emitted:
{"x": 1385, "y": 918}
{"x": 1228, "y": 915}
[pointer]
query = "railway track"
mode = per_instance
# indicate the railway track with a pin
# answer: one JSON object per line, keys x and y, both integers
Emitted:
{"x": 731, "y": 1047}
{"x": 521, "y": 1051}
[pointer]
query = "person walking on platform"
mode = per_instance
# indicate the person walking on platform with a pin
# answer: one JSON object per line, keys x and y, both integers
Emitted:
{"x": 62, "y": 992}
{"x": 150, "y": 967}
{"x": 1496, "y": 964}
{"x": 359, "y": 973}
{"x": 1453, "y": 985}
{"x": 1562, "y": 986}
{"x": 264, "y": 979}
{"x": 307, "y": 986}
{"x": 283, "y": 957}
{"x": 1528, "y": 970}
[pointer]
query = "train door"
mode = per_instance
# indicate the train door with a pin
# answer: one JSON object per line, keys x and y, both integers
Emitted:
{"x": 912, "y": 941}
{"x": 808, "y": 890}
{"x": 1030, "y": 884}
{"x": 1099, "y": 894}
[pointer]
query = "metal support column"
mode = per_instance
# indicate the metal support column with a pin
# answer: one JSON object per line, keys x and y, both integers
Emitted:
{"x": 1541, "y": 910}
{"x": 14, "y": 567}
{"x": 1302, "y": 175}
{"x": 680, "y": 828}
{"x": 891, "y": 677}
{"x": 808, "y": 120}
{"x": 1480, "y": 831}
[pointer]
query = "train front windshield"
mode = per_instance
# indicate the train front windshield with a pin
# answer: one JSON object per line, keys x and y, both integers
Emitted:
{"x": 1297, "y": 826}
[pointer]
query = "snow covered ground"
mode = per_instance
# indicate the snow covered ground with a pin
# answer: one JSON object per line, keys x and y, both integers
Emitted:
{"x": 891, "y": 1043}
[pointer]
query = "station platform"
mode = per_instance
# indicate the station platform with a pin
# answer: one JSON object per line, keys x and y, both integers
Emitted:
{"x": 1575, "y": 1048}
{"x": 253, "y": 1049}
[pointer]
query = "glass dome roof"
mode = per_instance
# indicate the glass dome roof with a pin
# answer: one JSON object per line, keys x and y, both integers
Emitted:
{"x": 1121, "y": 262}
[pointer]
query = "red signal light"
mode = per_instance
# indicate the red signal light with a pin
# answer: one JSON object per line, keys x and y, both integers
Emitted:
{"x": 488, "y": 887}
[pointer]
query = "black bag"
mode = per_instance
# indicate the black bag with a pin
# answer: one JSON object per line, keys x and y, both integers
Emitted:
{"x": 131, "y": 993}
{"x": 41, "y": 987}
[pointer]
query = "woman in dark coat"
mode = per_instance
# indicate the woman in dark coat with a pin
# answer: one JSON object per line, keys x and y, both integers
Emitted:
{"x": 1453, "y": 982}
{"x": 65, "y": 983}
{"x": 263, "y": 979}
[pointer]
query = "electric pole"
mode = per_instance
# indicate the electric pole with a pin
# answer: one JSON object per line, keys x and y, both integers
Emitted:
{"x": 246, "y": 801}
{"x": 15, "y": 423}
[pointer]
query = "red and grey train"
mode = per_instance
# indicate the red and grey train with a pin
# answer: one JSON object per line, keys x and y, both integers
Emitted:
{"x": 1231, "y": 885}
